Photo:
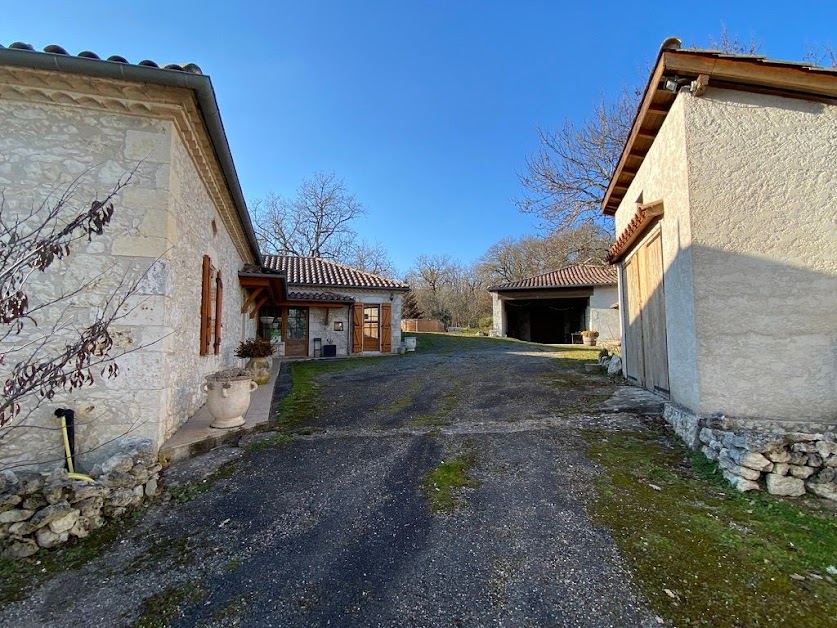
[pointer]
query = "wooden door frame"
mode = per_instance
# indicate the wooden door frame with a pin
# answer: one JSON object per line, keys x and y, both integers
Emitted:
{"x": 363, "y": 336}
{"x": 285, "y": 315}
{"x": 655, "y": 231}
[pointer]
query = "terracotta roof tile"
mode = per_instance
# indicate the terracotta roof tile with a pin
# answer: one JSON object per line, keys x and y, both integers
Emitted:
{"x": 579, "y": 275}
{"x": 314, "y": 271}
{"x": 54, "y": 49}
{"x": 323, "y": 296}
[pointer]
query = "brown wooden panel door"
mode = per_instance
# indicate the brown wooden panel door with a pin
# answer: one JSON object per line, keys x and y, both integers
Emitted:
{"x": 386, "y": 328}
{"x": 654, "y": 316}
{"x": 357, "y": 328}
{"x": 646, "y": 344}
{"x": 296, "y": 331}
{"x": 634, "y": 363}
{"x": 371, "y": 328}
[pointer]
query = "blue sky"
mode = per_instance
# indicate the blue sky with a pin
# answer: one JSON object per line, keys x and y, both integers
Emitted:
{"x": 426, "y": 109}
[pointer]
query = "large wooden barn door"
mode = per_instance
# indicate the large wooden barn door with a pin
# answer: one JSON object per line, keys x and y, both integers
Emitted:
{"x": 646, "y": 347}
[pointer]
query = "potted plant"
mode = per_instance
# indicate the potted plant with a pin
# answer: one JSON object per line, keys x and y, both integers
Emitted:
{"x": 410, "y": 343}
{"x": 589, "y": 337}
{"x": 258, "y": 352}
{"x": 329, "y": 348}
{"x": 228, "y": 396}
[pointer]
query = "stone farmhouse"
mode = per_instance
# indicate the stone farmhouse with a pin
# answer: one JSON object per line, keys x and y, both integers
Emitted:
{"x": 553, "y": 307}
{"x": 181, "y": 225}
{"x": 726, "y": 247}
{"x": 329, "y": 304}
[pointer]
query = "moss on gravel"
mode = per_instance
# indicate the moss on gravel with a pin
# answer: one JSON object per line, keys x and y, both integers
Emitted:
{"x": 299, "y": 405}
{"x": 161, "y": 609}
{"x": 443, "y": 485}
{"x": 704, "y": 554}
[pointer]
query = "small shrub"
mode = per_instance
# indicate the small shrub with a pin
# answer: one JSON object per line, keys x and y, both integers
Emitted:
{"x": 254, "y": 348}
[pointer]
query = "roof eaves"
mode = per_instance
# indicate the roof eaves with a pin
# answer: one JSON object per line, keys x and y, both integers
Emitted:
{"x": 186, "y": 77}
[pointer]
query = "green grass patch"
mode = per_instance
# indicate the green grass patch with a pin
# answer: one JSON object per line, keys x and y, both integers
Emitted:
{"x": 161, "y": 609}
{"x": 299, "y": 405}
{"x": 19, "y": 577}
{"x": 447, "y": 403}
{"x": 704, "y": 554}
{"x": 442, "y": 486}
{"x": 187, "y": 492}
{"x": 276, "y": 439}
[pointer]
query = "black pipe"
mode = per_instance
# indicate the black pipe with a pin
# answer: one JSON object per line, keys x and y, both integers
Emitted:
{"x": 70, "y": 416}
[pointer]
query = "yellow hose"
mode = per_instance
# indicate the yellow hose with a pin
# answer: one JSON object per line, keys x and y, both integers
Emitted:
{"x": 72, "y": 472}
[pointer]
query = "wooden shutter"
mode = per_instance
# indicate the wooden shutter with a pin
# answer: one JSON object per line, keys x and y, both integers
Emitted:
{"x": 219, "y": 300}
{"x": 386, "y": 327}
{"x": 357, "y": 327}
{"x": 206, "y": 305}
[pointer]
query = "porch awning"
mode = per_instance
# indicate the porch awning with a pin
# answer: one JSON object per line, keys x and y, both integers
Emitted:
{"x": 266, "y": 287}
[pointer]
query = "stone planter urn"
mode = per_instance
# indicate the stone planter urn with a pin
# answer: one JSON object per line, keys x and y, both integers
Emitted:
{"x": 228, "y": 396}
{"x": 260, "y": 368}
{"x": 410, "y": 343}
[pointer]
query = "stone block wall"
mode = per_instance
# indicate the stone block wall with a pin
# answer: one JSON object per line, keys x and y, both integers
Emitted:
{"x": 762, "y": 455}
{"x": 43, "y": 511}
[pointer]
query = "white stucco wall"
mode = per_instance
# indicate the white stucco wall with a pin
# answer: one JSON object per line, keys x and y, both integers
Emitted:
{"x": 762, "y": 186}
{"x": 664, "y": 175}
{"x": 601, "y": 316}
{"x": 164, "y": 213}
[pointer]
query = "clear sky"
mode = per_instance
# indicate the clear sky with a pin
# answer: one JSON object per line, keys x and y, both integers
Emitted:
{"x": 426, "y": 108}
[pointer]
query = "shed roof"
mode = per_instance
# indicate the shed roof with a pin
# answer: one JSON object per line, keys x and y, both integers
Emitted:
{"x": 578, "y": 276}
{"x": 54, "y": 58}
{"x": 695, "y": 69}
{"x": 318, "y": 272}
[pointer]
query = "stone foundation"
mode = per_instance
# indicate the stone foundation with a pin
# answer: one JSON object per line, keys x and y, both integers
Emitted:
{"x": 788, "y": 459}
{"x": 42, "y": 511}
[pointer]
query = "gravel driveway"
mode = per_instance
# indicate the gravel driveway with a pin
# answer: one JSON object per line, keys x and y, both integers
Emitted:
{"x": 332, "y": 528}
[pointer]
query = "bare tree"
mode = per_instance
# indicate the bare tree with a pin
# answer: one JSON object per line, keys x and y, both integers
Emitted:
{"x": 823, "y": 56}
{"x": 513, "y": 259}
{"x": 565, "y": 181}
{"x": 60, "y": 356}
{"x": 317, "y": 222}
{"x": 731, "y": 43}
{"x": 371, "y": 258}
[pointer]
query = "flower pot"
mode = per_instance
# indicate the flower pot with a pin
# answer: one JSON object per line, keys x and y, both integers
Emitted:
{"x": 589, "y": 341}
{"x": 410, "y": 343}
{"x": 261, "y": 369}
{"x": 228, "y": 397}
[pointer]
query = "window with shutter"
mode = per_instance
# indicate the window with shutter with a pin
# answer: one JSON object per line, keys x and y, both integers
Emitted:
{"x": 212, "y": 296}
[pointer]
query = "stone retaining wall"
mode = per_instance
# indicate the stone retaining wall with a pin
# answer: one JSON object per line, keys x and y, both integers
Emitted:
{"x": 757, "y": 455}
{"x": 42, "y": 511}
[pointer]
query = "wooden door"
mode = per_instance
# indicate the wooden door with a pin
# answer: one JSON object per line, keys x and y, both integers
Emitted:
{"x": 371, "y": 328}
{"x": 296, "y": 331}
{"x": 386, "y": 328}
{"x": 357, "y": 328}
{"x": 646, "y": 344}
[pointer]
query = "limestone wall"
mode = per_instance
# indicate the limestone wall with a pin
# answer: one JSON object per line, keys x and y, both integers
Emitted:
{"x": 762, "y": 188}
{"x": 163, "y": 222}
{"x": 318, "y": 328}
{"x": 664, "y": 175}
{"x": 44, "y": 149}
{"x": 192, "y": 235}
